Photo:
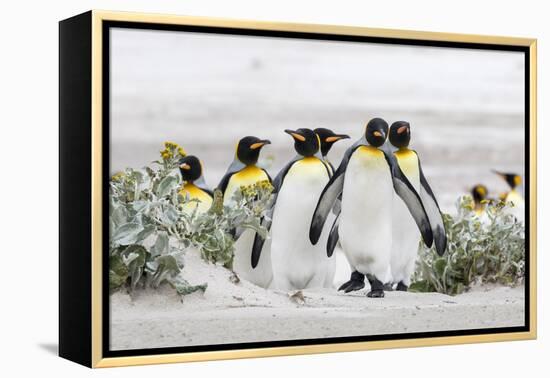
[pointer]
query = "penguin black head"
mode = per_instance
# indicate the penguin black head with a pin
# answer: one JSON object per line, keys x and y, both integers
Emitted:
{"x": 306, "y": 142}
{"x": 190, "y": 168}
{"x": 400, "y": 134}
{"x": 328, "y": 138}
{"x": 512, "y": 179}
{"x": 248, "y": 149}
{"x": 479, "y": 193}
{"x": 376, "y": 132}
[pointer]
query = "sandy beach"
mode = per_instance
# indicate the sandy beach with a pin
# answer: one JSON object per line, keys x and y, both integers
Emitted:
{"x": 241, "y": 312}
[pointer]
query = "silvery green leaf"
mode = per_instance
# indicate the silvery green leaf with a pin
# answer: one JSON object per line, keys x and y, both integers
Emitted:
{"x": 127, "y": 233}
{"x": 170, "y": 215}
{"x": 161, "y": 246}
{"x": 147, "y": 231}
{"x": 134, "y": 257}
{"x": 140, "y": 206}
{"x": 119, "y": 215}
{"x": 118, "y": 272}
{"x": 166, "y": 185}
{"x": 183, "y": 287}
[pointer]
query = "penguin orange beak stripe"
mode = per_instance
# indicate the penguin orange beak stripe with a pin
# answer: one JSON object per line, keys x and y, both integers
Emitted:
{"x": 259, "y": 144}
{"x": 185, "y": 166}
{"x": 335, "y": 138}
{"x": 401, "y": 130}
{"x": 295, "y": 135}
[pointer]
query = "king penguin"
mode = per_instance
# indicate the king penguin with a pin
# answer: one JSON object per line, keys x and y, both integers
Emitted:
{"x": 366, "y": 178}
{"x": 514, "y": 195}
{"x": 297, "y": 264}
{"x": 194, "y": 187}
{"x": 337, "y": 263}
{"x": 479, "y": 194}
{"x": 405, "y": 235}
{"x": 244, "y": 171}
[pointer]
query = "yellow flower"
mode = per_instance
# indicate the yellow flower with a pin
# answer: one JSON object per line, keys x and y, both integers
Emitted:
{"x": 117, "y": 177}
{"x": 181, "y": 151}
{"x": 166, "y": 154}
{"x": 170, "y": 145}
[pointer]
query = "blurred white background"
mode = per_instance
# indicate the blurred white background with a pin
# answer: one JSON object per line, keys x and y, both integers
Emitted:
{"x": 29, "y": 155}
{"x": 206, "y": 91}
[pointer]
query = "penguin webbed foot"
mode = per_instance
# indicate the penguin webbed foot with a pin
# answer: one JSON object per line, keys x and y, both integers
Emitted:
{"x": 376, "y": 288}
{"x": 356, "y": 282}
{"x": 401, "y": 287}
{"x": 376, "y": 294}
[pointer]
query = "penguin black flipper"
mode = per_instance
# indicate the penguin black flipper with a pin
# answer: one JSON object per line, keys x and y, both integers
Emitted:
{"x": 409, "y": 195}
{"x": 224, "y": 181}
{"x": 201, "y": 184}
{"x": 328, "y": 197}
{"x": 333, "y": 236}
{"x": 266, "y": 222}
{"x": 434, "y": 213}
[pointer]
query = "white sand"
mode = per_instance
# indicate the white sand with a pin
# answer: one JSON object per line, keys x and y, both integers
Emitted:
{"x": 242, "y": 312}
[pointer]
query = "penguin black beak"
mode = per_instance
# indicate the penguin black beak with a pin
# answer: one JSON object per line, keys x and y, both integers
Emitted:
{"x": 336, "y": 137}
{"x": 498, "y": 173}
{"x": 259, "y": 144}
{"x": 295, "y": 135}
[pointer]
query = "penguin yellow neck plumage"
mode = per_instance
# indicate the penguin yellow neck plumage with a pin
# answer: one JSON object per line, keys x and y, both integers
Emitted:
{"x": 408, "y": 162}
{"x": 194, "y": 192}
{"x": 249, "y": 175}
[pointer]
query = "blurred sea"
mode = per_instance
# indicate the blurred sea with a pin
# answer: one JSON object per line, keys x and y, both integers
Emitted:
{"x": 207, "y": 91}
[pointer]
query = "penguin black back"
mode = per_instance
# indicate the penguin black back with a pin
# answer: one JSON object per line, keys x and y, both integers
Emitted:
{"x": 248, "y": 149}
{"x": 190, "y": 168}
{"x": 306, "y": 142}
{"x": 400, "y": 134}
{"x": 376, "y": 132}
{"x": 328, "y": 138}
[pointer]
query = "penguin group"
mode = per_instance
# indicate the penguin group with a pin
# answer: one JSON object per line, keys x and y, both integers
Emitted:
{"x": 376, "y": 204}
{"x": 514, "y": 197}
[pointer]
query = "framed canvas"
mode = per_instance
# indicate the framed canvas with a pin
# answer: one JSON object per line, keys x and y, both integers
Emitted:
{"x": 234, "y": 189}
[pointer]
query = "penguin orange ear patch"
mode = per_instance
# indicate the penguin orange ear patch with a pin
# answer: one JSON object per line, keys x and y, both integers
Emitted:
{"x": 401, "y": 130}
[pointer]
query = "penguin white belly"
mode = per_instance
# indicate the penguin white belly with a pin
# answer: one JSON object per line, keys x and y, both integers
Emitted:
{"x": 405, "y": 234}
{"x": 366, "y": 219}
{"x": 518, "y": 205}
{"x": 297, "y": 264}
{"x": 262, "y": 275}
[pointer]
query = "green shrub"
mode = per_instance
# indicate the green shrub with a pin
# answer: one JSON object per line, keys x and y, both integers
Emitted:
{"x": 150, "y": 232}
{"x": 483, "y": 249}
